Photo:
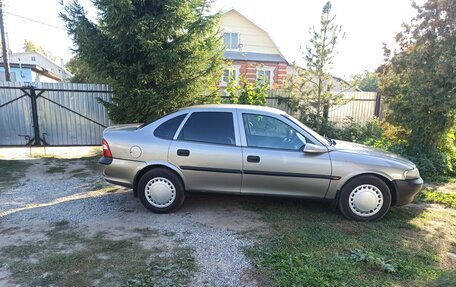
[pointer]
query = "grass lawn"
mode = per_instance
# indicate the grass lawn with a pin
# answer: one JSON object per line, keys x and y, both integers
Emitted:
{"x": 312, "y": 246}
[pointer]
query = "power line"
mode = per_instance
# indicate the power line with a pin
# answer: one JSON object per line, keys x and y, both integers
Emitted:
{"x": 35, "y": 21}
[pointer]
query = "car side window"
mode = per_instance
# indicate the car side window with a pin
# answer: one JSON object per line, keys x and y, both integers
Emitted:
{"x": 167, "y": 129}
{"x": 209, "y": 127}
{"x": 268, "y": 132}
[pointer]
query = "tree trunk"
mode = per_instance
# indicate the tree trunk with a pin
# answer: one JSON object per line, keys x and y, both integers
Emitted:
{"x": 318, "y": 118}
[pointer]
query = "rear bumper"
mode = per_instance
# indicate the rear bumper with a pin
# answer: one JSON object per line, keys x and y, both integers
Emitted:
{"x": 127, "y": 185}
{"x": 105, "y": 160}
{"x": 407, "y": 189}
{"x": 122, "y": 172}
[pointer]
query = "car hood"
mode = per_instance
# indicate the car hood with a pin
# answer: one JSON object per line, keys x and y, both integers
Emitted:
{"x": 349, "y": 147}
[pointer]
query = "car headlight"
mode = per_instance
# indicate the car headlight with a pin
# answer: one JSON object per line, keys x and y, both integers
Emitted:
{"x": 412, "y": 174}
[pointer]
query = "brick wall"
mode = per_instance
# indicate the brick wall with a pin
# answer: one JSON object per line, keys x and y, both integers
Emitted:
{"x": 248, "y": 69}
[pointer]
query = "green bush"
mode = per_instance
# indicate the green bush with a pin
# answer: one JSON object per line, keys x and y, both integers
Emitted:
{"x": 246, "y": 92}
{"x": 435, "y": 196}
{"x": 354, "y": 132}
{"x": 436, "y": 165}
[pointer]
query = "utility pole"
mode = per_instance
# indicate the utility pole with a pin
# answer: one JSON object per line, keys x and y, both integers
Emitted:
{"x": 4, "y": 45}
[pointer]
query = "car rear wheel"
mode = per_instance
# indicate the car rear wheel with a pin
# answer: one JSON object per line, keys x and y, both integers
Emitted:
{"x": 365, "y": 198}
{"x": 161, "y": 190}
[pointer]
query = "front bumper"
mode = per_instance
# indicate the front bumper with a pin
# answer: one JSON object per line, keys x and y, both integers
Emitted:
{"x": 406, "y": 190}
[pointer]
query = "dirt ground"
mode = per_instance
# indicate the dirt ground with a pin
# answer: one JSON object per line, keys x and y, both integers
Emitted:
{"x": 61, "y": 224}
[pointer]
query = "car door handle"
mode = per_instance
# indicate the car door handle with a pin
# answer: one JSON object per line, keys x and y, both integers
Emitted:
{"x": 253, "y": 158}
{"x": 183, "y": 152}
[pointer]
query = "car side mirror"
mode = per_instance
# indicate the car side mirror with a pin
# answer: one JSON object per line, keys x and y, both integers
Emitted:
{"x": 313, "y": 148}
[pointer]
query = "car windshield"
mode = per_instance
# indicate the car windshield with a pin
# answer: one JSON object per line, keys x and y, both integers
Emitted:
{"x": 308, "y": 130}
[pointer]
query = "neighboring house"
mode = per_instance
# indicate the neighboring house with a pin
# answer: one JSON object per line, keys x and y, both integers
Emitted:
{"x": 338, "y": 84}
{"x": 250, "y": 51}
{"x": 33, "y": 67}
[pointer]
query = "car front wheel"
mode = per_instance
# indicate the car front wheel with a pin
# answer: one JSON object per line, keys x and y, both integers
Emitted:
{"x": 161, "y": 190}
{"x": 365, "y": 198}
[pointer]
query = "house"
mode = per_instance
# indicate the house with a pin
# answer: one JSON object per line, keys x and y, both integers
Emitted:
{"x": 33, "y": 67}
{"x": 338, "y": 85}
{"x": 250, "y": 52}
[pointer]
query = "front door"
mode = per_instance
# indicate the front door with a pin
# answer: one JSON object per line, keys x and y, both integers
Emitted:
{"x": 208, "y": 152}
{"x": 273, "y": 160}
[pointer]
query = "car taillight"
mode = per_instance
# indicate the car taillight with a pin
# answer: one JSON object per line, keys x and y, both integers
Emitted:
{"x": 106, "y": 151}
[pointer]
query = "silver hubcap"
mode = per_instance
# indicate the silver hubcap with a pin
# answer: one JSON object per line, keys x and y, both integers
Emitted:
{"x": 160, "y": 192}
{"x": 365, "y": 200}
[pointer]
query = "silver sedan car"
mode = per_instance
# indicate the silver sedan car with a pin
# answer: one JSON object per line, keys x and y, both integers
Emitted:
{"x": 252, "y": 150}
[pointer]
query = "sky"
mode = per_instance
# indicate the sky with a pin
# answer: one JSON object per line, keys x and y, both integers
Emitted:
{"x": 366, "y": 23}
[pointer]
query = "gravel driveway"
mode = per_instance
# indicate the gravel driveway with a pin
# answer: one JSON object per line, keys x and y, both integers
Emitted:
{"x": 50, "y": 193}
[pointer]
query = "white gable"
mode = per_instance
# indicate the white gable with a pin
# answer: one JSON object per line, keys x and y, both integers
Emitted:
{"x": 252, "y": 38}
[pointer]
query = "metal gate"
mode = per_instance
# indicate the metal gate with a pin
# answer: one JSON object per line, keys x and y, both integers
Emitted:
{"x": 48, "y": 114}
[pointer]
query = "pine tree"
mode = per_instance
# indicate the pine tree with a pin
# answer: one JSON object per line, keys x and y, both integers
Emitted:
{"x": 312, "y": 87}
{"x": 158, "y": 55}
{"x": 81, "y": 72}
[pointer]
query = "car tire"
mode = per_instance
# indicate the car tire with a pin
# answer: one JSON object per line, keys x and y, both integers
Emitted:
{"x": 365, "y": 198}
{"x": 161, "y": 190}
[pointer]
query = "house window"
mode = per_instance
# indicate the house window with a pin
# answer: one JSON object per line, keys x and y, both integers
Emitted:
{"x": 266, "y": 74}
{"x": 229, "y": 73}
{"x": 33, "y": 58}
{"x": 231, "y": 41}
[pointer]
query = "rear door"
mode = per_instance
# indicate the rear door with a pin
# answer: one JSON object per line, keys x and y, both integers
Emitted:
{"x": 207, "y": 150}
{"x": 273, "y": 160}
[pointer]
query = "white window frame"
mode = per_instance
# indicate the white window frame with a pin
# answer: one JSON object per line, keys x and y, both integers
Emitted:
{"x": 238, "y": 41}
{"x": 230, "y": 67}
{"x": 271, "y": 69}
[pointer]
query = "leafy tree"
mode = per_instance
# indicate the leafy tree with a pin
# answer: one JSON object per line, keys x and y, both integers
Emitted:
{"x": 82, "y": 72}
{"x": 29, "y": 46}
{"x": 312, "y": 87}
{"x": 367, "y": 81}
{"x": 158, "y": 55}
{"x": 419, "y": 80}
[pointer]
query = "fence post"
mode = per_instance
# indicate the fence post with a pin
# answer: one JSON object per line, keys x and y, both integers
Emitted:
{"x": 36, "y": 126}
{"x": 378, "y": 102}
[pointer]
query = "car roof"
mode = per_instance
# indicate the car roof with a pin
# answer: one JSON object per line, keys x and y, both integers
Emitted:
{"x": 235, "y": 106}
